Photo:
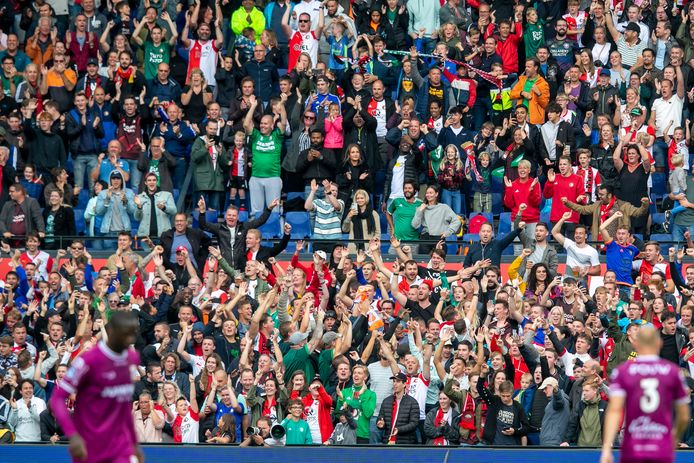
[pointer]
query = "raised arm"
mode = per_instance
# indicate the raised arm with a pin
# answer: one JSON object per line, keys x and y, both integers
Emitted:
{"x": 603, "y": 227}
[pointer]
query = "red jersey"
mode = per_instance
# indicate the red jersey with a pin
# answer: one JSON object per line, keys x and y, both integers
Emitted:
{"x": 569, "y": 187}
{"x": 519, "y": 193}
{"x": 302, "y": 43}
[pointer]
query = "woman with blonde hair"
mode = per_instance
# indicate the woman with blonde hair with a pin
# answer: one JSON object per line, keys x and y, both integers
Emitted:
{"x": 362, "y": 222}
{"x": 195, "y": 97}
{"x": 273, "y": 54}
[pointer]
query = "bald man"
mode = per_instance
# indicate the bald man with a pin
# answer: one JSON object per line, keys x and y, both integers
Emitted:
{"x": 647, "y": 389}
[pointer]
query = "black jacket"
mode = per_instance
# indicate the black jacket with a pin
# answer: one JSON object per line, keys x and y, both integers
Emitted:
{"x": 318, "y": 169}
{"x": 49, "y": 426}
{"x": 521, "y": 426}
{"x": 46, "y": 150}
{"x": 63, "y": 225}
{"x": 364, "y": 136}
{"x": 264, "y": 253}
{"x": 406, "y": 422}
{"x": 197, "y": 239}
{"x": 223, "y": 234}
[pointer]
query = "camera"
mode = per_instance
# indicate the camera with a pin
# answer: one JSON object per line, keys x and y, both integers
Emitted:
{"x": 252, "y": 431}
{"x": 278, "y": 431}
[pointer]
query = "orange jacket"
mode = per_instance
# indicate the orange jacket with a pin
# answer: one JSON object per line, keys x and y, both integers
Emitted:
{"x": 33, "y": 51}
{"x": 537, "y": 103}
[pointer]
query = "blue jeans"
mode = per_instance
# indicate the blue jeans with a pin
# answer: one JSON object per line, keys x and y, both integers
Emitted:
{"x": 375, "y": 434}
{"x": 660, "y": 154}
{"x": 135, "y": 175}
{"x": 453, "y": 198}
{"x": 678, "y": 232}
{"x": 83, "y": 165}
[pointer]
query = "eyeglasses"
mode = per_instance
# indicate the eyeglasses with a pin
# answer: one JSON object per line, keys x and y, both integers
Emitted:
{"x": 304, "y": 20}
{"x": 77, "y": 248}
{"x": 59, "y": 61}
{"x": 309, "y": 117}
{"x": 113, "y": 301}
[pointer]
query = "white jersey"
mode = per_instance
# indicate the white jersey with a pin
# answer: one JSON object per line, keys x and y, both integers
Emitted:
{"x": 417, "y": 388}
{"x": 186, "y": 428}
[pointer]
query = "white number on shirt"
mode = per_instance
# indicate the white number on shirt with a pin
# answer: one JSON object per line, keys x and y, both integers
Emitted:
{"x": 650, "y": 400}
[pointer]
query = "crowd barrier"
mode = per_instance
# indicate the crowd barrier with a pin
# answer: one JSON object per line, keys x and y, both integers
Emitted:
{"x": 198, "y": 453}
{"x": 362, "y": 454}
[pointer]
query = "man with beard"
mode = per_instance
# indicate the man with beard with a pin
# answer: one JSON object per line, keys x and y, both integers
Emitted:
{"x": 316, "y": 163}
{"x": 629, "y": 45}
{"x": 403, "y": 166}
{"x": 400, "y": 213}
{"x": 203, "y": 51}
{"x": 209, "y": 161}
{"x": 562, "y": 47}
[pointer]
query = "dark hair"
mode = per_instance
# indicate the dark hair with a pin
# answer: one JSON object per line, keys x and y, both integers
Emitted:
{"x": 532, "y": 278}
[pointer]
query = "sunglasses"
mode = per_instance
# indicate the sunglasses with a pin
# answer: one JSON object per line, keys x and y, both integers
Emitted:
{"x": 309, "y": 117}
{"x": 304, "y": 20}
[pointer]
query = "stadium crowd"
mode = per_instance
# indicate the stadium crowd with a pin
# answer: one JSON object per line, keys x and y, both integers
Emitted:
{"x": 189, "y": 135}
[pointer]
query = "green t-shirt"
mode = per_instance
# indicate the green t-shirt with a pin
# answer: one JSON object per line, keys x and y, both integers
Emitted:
{"x": 267, "y": 150}
{"x": 533, "y": 38}
{"x": 155, "y": 55}
{"x": 403, "y": 212}
{"x": 298, "y": 359}
{"x": 297, "y": 432}
{"x": 325, "y": 364}
{"x": 364, "y": 404}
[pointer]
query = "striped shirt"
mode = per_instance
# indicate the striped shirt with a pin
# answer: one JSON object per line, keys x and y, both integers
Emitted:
{"x": 328, "y": 225}
{"x": 630, "y": 54}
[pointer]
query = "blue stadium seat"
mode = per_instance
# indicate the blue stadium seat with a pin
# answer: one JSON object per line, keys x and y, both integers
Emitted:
{"x": 82, "y": 199}
{"x": 451, "y": 245}
{"x": 272, "y": 228}
{"x": 301, "y": 224}
{"x": 505, "y": 223}
{"x": 658, "y": 217}
{"x": 243, "y": 216}
{"x": 211, "y": 217}
{"x": 544, "y": 216}
{"x": 467, "y": 240}
{"x": 497, "y": 203}
{"x": 295, "y": 194}
{"x": 659, "y": 182}
{"x": 80, "y": 224}
{"x": 663, "y": 239}
{"x": 385, "y": 242}
{"x": 383, "y": 220}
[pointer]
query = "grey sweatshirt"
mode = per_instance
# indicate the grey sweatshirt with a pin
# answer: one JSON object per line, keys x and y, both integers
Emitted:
{"x": 556, "y": 419}
{"x": 437, "y": 220}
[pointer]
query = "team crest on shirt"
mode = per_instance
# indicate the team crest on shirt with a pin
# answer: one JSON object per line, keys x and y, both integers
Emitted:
{"x": 571, "y": 185}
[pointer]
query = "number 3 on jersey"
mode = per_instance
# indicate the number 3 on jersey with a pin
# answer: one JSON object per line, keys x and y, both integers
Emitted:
{"x": 650, "y": 400}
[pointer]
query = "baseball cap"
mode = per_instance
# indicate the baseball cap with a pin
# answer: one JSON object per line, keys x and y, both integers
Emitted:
{"x": 400, "y": 377}
{"x": 636, "y": 111}
{"x": 605, "y": 72}
{"x": 549, "y": 382}
{"x": 632, "y": 26}
{"x": 116, "y": 173}
{"x": 92, "y": 61}
{"x": 297, "y": 337}
{"x": 330, "y": 314}
{"x": 198, "y": 326}
{"x": 321, "y": 254}
{"x": 330, "y": 336}
{"x": 181, "y": 248}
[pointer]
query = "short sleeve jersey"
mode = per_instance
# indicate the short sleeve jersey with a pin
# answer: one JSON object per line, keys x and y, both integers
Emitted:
{"x": 651, "y": 386}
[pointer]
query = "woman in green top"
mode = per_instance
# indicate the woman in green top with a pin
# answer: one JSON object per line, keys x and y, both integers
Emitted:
{"x": 266, "y": 147}
{"x": 361, "y": 399}
{"x": 534, "y": 33}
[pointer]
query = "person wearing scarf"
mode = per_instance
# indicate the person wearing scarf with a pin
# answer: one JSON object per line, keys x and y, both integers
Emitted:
{"x": 362, "y": 222}
{"x": 441, "y": 424}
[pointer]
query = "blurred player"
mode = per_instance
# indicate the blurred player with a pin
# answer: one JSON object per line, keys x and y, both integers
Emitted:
{"x": 102, "y": 428}
{"x": 646, "y": 389}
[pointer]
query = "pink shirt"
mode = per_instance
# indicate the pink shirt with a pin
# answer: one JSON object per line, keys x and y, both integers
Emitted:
{"x": 102, "y": 382}
{"x": 333, "y": 133}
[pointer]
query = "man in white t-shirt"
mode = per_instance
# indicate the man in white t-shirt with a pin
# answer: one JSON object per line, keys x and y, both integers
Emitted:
{"x": 582, "y": 260}
{"x": 667, "y": 111}
{"x": 197, "y": 362}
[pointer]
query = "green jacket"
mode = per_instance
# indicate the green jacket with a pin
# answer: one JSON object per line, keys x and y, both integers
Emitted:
{"x": 623, "y": 349}
{"x": 255, "y": 403}
{"x": 206, "y": 176}
{"x": 365, "y": 405}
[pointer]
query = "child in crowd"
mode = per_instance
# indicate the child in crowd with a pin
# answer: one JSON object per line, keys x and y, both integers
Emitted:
{"x": 677, "y": 144}
{"x": 238, "y": 172}
{"x": 340, "y": 45}
{"x": 678, "y": 186}
{"x": 333, "y": 128}
{"x": 479, "y": 173}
